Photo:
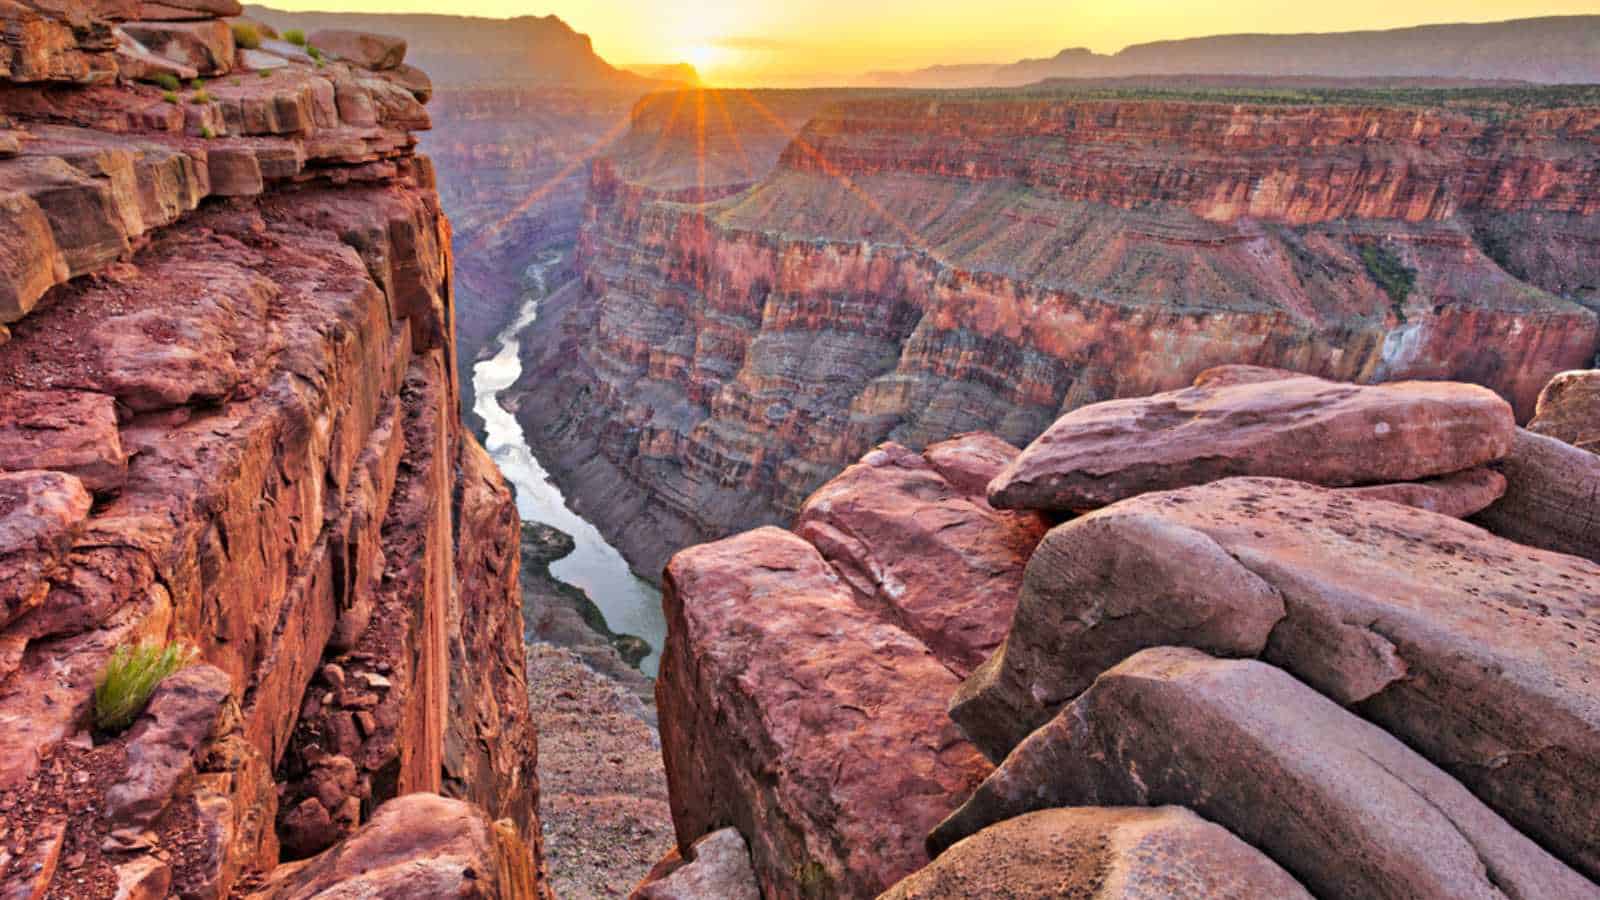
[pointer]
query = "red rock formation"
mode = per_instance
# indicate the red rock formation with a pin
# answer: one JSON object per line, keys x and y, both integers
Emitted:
{"x": 231, "y": 322}
{"x": 1569, "y": 410}
{"x": 917, "y": 267}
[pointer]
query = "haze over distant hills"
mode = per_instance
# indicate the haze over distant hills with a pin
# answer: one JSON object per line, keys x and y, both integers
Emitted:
{"x": 461, "y": 50}
{"x": 1553, "y": 50}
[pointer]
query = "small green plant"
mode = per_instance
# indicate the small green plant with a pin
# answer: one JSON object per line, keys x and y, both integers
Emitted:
{"x": 199, "y": 84}
{"x": 246, "y": 35}
{"x": 200, "y": 96}
{"x": 314, "y": 53}
{"x": 168, "y": 81}
{"x": 171, "y": 97}
{"x": 130, "y": 678}
{"x": 206, "y": 132}
{"x": 264, "y": 73}
{"x": 1394, "y": 276}
{"x": 295, "y": 36}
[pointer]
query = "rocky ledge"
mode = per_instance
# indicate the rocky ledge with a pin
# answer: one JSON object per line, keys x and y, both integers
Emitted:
{"x": 228, "y": 420}
{"x": 1218, "y": 641}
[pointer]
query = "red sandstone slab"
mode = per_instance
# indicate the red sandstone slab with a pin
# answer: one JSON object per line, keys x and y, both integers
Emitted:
{"x": 41, "y": 514}
{"x": 805, "y": 721}
{"x": 1303, "y": 428}
{"x": 1458, "y": 496}
{"x": 66, "y": 431}
{"x": 923, "y": 554}
{"x": 1476, "y": 651}
{"x": 1552, "y": 497}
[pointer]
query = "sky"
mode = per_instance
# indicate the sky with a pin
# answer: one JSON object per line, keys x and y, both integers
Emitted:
{"x": 776, "y": 43}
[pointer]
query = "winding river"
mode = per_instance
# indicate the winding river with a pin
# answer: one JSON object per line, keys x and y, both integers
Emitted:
{"x": 630, "y": 604}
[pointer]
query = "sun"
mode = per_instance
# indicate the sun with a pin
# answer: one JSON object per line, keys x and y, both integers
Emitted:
{"x": 704, "y": 56}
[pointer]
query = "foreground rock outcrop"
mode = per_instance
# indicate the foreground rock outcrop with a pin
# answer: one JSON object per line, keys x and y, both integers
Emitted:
{"x": 919, "y": 266}
{"x": 229, "y": 422}
{"x": 1569, "y": 410}
{"x": 1357, "y": 690}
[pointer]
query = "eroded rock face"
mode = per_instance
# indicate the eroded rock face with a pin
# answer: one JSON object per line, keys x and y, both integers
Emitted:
{"x": 901, "y": 276}
{"x": 1569, "y": 410}
{"x": 1100, "y": 852}
{"x": 1339, "y": 803}
{"x": 923, "y": 552}
{"x": 1302, "y": 428}
{"x": 812, "y": 725}
{"x": 1474, "y": 650}
{"x": 416, "y": 847}
{"x": 239, "y": 422}
{"x": 1550, "y": 497}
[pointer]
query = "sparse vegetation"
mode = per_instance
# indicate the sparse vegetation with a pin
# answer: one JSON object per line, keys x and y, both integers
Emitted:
{"x": 1394, "y": 276}
{"x": 295, "y": 36}
{"x": 172, "y": 97}
{"x": 264, "y": 73}
{"x": 206, "y": 132}
{"x": 200, "y": 96}
{"x": 314, "y": 53}
{"x": 246, "y": 35}
{"x": 168, "y": 82}
{"x": 130, "y": 678}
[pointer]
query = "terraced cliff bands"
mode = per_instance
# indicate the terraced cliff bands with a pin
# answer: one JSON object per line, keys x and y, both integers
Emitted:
{"x": 916, "y": 266}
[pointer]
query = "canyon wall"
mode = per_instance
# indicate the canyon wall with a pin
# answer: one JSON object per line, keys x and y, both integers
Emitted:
{"x": 916, "y": 266}
{"x": 228, "y": 421}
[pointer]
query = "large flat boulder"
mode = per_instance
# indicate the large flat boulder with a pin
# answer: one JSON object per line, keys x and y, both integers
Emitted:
{"x": 803, "y": 720}
{"x": 1569, "y": 409}
{"x": 922, "y": 551}
{"x": 1108, "y": 853}
{"x": 205, "y": 46}
{"x": 179, "y": 10}
{"x": 1305, "y": 428}
{"x": 1552, "y": 497}
{"x": 1475, "y": 650}
{"x": 65, "y": 431}
{"x": 1341, "y": 804}
{"x": 416, "y": 847}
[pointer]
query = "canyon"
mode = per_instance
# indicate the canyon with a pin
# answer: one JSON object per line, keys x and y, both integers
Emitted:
{"x": 914, "y": 266}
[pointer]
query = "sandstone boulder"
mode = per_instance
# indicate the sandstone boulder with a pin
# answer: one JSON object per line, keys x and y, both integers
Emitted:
{"x": 970, "y": 461}
{"x": 163, "y": 744}
{"x": 1569, "y": 410}
{"x": 416, "y": 847}
{"x": 719, "y": 869}
{"x": 178, "y": 10}
{"x": 66, "y": 431}
{"x": 1108, "y": 853}
{"x": 1474, "y": 650}
{"x": 135, "y": 62}
{"x": 1458, "y": 496}
{"x": 1342, "y": 805}
{"x": 923, "y": 553}
{"x": 412, "y": 79}
{"x": 205, "y": 46}
{"x": 1303, "y": 428}
{"x": 363, "y": 48}
{"x": 41, "y": 514}
{"x": 803, "y": 720}
{"x": 1552, "y": 497}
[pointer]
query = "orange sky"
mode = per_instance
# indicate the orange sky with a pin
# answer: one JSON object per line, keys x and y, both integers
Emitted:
{"x": 830, "y": 41}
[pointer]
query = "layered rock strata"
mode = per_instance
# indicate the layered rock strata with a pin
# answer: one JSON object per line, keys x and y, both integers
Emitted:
{"x": 230, "y": 423}
{"x": 919, "y": 266}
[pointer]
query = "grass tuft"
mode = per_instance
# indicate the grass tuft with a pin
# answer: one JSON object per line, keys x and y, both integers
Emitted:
{"x": 246, "y": 35}
{"x": 130, "y": 678}
{"x": 168, "y": 81}
{"x": 171, "y": 97}
{"x": 201, "y": 96}
{"x": 295, "y": 36}
{"x": 206, "y": 132}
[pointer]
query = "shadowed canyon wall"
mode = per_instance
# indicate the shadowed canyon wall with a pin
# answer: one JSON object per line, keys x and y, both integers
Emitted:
{"x": 916, "y": 266}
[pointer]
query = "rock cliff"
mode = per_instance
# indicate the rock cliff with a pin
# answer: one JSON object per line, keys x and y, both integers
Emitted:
{"x": 916, "y": 266}
{"x": 1215, "y": 682}
{"x": 228, "y": 421}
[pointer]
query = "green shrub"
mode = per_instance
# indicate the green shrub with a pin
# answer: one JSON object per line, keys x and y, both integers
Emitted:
{"x": 168, "y": 81}
{"x": 130, "y": 678}
{"x": 199, "y": 84}
{"x": 1394, "y": 276}
{"x": 314, "y": 53}
{"x": 264, "y": 73}
{"x": 206, "y": 132}
{"x": 200, "y": 96}
{"x": 171, "y": 97}
{"x": 246, "y": 35}
{"x": 295, "y": 36}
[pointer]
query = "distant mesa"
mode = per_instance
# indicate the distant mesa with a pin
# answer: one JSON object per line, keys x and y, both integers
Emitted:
{"x": 682, "y": 73}
{"x": 1549, "y": 50}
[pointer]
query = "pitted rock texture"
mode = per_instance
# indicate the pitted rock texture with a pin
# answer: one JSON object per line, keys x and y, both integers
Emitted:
{"x": 1106, "y": 853}
{"x": 1569, "y": 410}
{"x": 807, "y": 722}
{"x": 920, "y": 266}
{"x": 1474, "y": 650}
{"x": 236, "y": 428}
{"x": 1339, "y": 803}
{"x": 1303, "y": 428}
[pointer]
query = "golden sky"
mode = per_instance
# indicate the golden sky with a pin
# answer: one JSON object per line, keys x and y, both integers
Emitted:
{"x": 830, "y": 41}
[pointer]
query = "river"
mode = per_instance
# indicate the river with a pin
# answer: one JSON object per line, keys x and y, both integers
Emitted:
{"x": 630, "y": 604}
